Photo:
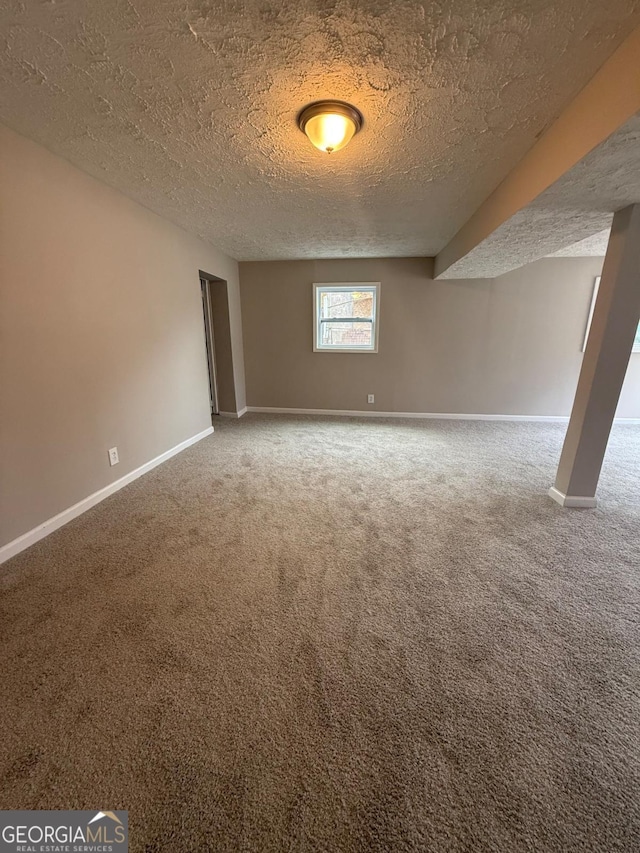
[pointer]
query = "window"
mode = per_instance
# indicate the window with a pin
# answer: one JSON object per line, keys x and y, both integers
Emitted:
{"x": 345, "y": 317}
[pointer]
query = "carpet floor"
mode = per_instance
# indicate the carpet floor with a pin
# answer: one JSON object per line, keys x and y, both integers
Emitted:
{"x": 316, "y": 634}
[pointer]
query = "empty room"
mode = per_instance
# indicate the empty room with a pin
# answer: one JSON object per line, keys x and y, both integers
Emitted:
{"x": 320, "y": 426}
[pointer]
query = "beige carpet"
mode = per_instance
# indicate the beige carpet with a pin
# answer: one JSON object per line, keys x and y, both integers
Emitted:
{"x": 337, "y": 635}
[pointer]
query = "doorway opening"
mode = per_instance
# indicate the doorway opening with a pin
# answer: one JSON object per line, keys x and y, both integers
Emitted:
{"x": 209, "y": 339}
{"x": 217, "y": 335}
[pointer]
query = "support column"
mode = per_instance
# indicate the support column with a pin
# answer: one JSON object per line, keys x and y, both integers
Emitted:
{"x": 613, "y": 328}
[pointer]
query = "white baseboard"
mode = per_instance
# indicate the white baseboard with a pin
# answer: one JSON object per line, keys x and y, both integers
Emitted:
{"x": 572, "y": 501}
{"x": 32, "y": 536}
{"x": 447, "y": 416}
{"x": 238, "y": 414}
{"x": 428, "y": 415}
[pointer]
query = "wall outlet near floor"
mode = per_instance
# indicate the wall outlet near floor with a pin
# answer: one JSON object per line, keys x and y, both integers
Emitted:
{"x": 113, "y": 456}
{"x": 371, "y": 398}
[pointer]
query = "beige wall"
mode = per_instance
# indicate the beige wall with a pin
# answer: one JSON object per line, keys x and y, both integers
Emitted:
{"x": 101, "y": 335}
{"x": 510, "y": 345}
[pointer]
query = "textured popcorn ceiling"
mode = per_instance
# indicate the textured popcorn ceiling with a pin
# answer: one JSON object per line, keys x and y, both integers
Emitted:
{"x": 593, "y": 246}
{"x": 571, "y": 211}
{"x": 189, "y": 107}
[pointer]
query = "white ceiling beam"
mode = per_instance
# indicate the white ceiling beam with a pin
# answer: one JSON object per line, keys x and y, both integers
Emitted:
{"x": 607, "y": 102}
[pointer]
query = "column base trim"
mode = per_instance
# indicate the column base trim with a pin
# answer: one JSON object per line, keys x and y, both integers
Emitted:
{"x": 572, "y": 501}
{"x": 237, "y": 414}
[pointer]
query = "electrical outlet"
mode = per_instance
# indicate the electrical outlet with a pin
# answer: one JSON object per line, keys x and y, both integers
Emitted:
{"x": 113, "y": 456}
{"x": 371, "y": 398}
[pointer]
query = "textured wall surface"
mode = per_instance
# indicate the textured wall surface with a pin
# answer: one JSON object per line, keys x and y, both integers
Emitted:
{"x": 189, "y": 107}
{"x": 508, "y": 346}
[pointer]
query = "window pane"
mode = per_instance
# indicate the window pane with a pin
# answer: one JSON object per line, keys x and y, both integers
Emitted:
{"x": 341, "y": 303}
{"x": 346, "y": 334}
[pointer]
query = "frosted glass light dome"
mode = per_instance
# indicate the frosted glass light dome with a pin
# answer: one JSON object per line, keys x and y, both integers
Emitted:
{"x": 330, "y": 125}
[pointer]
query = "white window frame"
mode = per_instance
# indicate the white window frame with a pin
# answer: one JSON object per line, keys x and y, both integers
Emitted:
{"x": 346, "y": 286}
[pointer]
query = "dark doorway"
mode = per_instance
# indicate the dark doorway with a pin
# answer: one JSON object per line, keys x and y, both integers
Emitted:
{"x": 217, "y": 333}
{"x": 205, "y": 287}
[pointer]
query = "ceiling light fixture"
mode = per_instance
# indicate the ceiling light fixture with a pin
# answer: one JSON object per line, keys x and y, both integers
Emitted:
{"x": 330, "y": 125}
